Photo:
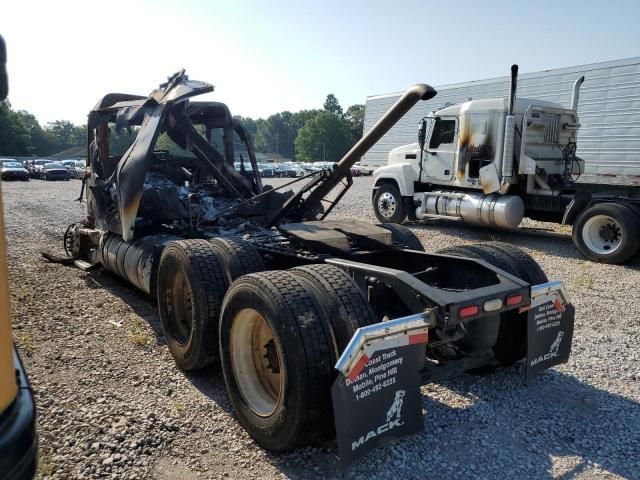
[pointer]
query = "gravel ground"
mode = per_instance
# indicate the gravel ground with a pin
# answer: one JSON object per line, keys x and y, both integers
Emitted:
{"x": 112, "y": 404}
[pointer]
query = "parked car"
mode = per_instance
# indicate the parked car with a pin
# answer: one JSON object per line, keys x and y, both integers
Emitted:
{"x": 54, "y": 171}
{"x": 364, "y": 170}
{"x": 267, "y": 170}
{"x": 321, "y": 165}
{"x": 69, "y": 164}
{"x": 13, "y": 170}
{"x": 290, "y": 170}
{"x": 36, "y": 168}
{"x": 79, "y": 169}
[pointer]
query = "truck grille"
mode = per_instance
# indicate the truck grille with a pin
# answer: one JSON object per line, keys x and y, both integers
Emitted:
{"x": 552, "y": 128}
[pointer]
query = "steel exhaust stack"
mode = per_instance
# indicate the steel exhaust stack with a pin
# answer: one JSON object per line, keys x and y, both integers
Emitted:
{"x": 412, "y": 96}
{"x": 420, "y": 91}
{"x": 576, "y": 93}
{"x": 509, "y": 133}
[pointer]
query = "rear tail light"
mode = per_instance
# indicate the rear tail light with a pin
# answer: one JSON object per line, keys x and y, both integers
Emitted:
{"x": 492, "y": 305}
{"x": 468, "y": 311}
{"x": 514, "y": 299}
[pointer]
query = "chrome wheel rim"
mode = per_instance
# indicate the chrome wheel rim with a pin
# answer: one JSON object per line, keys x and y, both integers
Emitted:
{"x": 256, "y": 362}
{"x": 387, "y": 205}
{"x": 602, "y": 234}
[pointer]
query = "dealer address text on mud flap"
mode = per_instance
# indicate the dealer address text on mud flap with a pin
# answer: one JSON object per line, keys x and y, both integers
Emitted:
{"x": 547, "y": 317}
{"x": 379, "y": 373}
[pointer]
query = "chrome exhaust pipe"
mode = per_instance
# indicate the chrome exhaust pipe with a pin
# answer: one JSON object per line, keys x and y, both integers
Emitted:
{"x": 576, "y": 93}
{"x": 509, "y": 134}
{"x": 405, "y": 103}
{"x": 420, "y": 91}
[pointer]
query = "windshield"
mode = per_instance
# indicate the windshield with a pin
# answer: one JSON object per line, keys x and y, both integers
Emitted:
{"x": 53, "y": 165}
{"x": 11, "y": 165}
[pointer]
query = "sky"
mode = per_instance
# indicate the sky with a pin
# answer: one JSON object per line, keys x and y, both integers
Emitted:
{"x": 268, "y": 56}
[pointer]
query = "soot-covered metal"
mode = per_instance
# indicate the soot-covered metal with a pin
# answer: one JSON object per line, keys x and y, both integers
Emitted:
{"x": 191, "y": 185}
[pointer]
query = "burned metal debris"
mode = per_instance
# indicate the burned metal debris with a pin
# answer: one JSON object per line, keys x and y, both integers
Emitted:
{"x": 187, "y": 186}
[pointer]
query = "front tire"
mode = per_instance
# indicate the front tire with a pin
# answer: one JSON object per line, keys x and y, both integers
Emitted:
{"x": 191, "y": 286}
{"x": 607, "y": 233}
{"x": 276, "y": 359}
{"x": 388, "y": 204}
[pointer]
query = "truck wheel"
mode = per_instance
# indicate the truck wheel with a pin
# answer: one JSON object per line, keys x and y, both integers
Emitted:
{"x": 511, "y": 344}
{"x": 607, "y": 232}
{"x": 343, "y": 304}
{"x": 402, "y": 234}
{"x": 276, "y": 360}
{"x": 388, "y": 204}
{"x": 238, "y": 257}
{"x": 191, "y": 286}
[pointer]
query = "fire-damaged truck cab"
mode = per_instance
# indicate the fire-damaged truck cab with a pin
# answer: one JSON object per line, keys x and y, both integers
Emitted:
{"x": 287, "y": 302}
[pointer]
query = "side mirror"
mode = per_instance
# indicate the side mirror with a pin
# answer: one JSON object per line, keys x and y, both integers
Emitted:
{"x": 422, "y": 133}
{"x": 4, "y": 80}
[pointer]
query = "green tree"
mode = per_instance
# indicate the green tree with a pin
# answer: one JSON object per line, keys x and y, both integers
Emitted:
{"x": 39, "y": 142}
{"x": 332, "y": 105}
{"x": 324, "y": 137}
{"x": 14, "y": 134}
{"x": 277, "y": 134}
{"x": 248, "y": 123}
{"x": 64, "y": 133}
{"x": 355, "y": 117}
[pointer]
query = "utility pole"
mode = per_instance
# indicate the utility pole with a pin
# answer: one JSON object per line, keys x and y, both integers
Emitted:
{"x": 277, "y": 138}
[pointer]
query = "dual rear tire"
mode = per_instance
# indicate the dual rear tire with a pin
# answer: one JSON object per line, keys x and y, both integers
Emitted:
{"x": 511, "y": 342}
{"x": 193, "y": 277}
{"x": 277, "y": 334}
{"x": 280, "y": 335}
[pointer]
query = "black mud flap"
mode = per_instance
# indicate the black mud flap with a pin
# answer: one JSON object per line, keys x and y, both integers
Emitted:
{"x": 376, "y": 398}
{"x": 549, "y": 328}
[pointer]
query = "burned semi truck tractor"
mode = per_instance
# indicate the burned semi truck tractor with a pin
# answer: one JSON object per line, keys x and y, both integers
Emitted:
{"x": 257, "y": 280}
{"x": 494, "y": 161}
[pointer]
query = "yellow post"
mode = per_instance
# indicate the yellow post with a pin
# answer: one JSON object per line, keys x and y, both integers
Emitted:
{"x": 8, "y": 386}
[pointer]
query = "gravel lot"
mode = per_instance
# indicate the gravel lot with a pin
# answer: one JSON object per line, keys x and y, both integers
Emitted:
{"x": 113, "y": 404}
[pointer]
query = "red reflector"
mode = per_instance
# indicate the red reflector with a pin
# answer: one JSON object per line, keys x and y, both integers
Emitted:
{"x": 469, "y": 311}
{"x": 514, "y": 299}
{"x": 418, "y": 338}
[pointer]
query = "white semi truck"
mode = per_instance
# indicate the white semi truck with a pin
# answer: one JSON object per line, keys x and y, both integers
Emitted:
{"x": 495, "y": 161}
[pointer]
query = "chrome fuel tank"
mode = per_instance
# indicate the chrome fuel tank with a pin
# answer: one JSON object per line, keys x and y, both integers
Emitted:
{"x": 493, "y": 209}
